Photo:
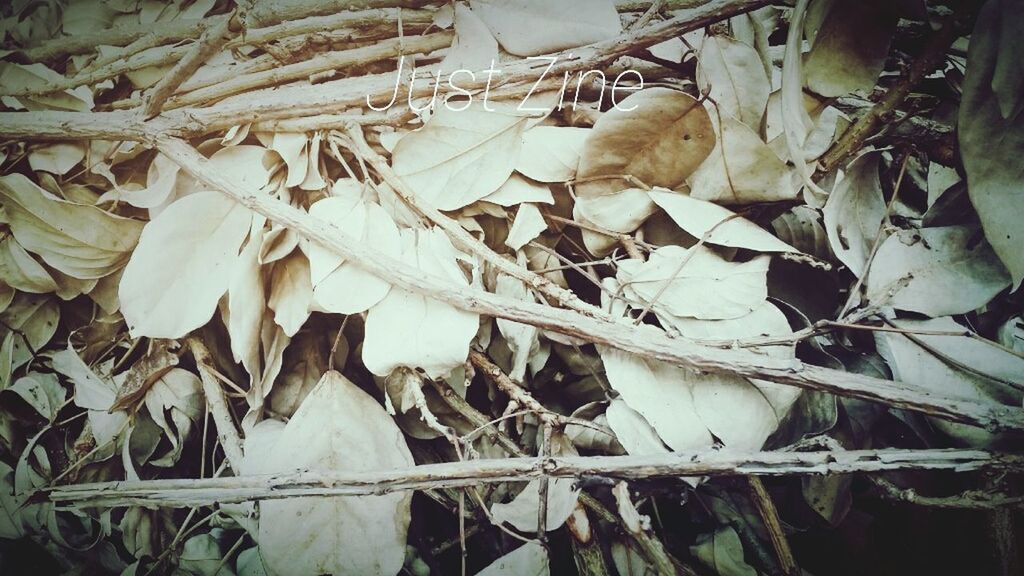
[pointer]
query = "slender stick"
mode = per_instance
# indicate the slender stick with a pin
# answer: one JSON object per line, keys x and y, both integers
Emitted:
{"x": 197, "y": 492}
{"x": 338, "y": 60}
{"x": 853, "y": 139}
{"x": 770, "y": 517}
{"x": 227, "y": 433}
{"x": 208, "y": 44}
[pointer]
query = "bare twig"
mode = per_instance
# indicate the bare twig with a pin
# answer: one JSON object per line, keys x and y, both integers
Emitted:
{"x": 227, "y": 433}
{"x": 968, "y": 500}
{"x": 197, "y": 492}
{"x": 208, "y": 44}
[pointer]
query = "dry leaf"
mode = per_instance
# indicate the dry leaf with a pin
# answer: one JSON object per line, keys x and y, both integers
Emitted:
{"x": 338, "y": 428}
{"x": 531, "y": 27}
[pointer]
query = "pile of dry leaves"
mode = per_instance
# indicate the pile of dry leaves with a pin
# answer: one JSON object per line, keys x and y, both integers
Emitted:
{"x": 305, "y": 287}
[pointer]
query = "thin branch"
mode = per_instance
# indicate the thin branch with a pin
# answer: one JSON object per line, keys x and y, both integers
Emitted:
{"x": 189, "y": 492}
{"x": 340, "y": 95}
{"x": 329, "y": 61}
{"x": 208, "y": 44}
{"x": 216, "y": 403}
{"x": 770, "y": 517}
{"x": 968, "y": 500}
{"x": 517, "y": 393}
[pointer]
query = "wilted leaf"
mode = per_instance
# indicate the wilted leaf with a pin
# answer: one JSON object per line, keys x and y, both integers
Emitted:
{"x": 57, "y": 158}
{"x": 742, "y": 169}
{"x": 517, "y": 190}
{"x": 178, "y": 394}
{"x": 633, "y": 431}
{"x": 552, "y": 153}
{"x": 529, "y": 223}
{"x": 801, "y": 227}
{"x": 936, "y": 271}
{"x": 474, "y": 47}
{"x": 698, "y": 218}
{"x": 850, "y": 43}
{"x": 962, "y": 366}
{"x": 338, "y": 428}
{"x": 291, "y": 292}
{"x": 28, "y": 323}
{"x": 521, "y": 512}
{"x": 81, "y": 241}
{"x": 41, "y": 392}
{"x": 722, "y": 552}
{"x": 991, "y": 142}
{"x": 530, "y": 559}
{"x": 697, "y": 283}
{"x": 658, "y": 136}
{"x": 182, "y": 265}
{"x": 93, "y": 393}
{"x": 460, "y": 157}
{"x": 531, "y": 27}
{"x": 20, "y": 271}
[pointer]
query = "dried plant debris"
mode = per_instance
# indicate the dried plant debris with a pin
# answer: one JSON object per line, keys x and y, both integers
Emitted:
{"x": 517, "y": 287}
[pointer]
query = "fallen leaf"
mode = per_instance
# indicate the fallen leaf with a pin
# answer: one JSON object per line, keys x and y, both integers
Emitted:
{"x": 530, "y": 559}
{"x": 460, "y": 157}
{"x": 415, "y": 331}
{"x": 990, "y": 141}
{"x": 79, "y": 240}
{"x": 732, "y": 75}
{"x": 936, "y": 271}
{"x": 531, "y": 27}
{"x": 338, "y": 428}
{"x": 742, "y": 169}
{"x": 697, "y": 283}
{"x": 854, "y": 213}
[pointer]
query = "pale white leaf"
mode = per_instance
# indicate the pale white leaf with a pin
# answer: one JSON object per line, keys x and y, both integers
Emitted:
{"x": 732, "y": 75}
{"x": 474, "y": 47}
{"x": 517, "y": 190}
{"x": 345, "y": 287}
{"x": 552, "y": 153}
{"x": 529, "y": 223}
{"x": 697, "y": 283}
{"x": 742, "y": 169}
{"x": 338, "y": 428}
{"x": 531, "y": 27}
{"x": 415, "y": 331}
{"x": 521, "y": 512}
{"x": 460, "y": 157}
{"x": 291, "y": 292}
{"x": 633, "y": 431}
{"x": 57, "y": 158}
{"x": 698, "y": 217}
{"x": 79, "y": 240}
{"x": 854, "y": 213}
{"x": 530, "y": 559}
{"x": 911, "y": 362}
{"x": 936, "y": 271}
